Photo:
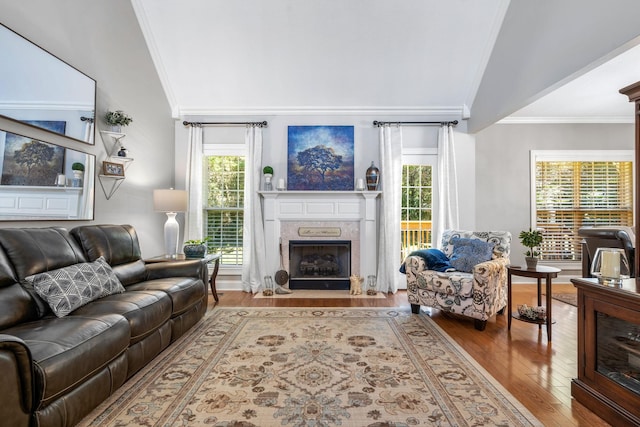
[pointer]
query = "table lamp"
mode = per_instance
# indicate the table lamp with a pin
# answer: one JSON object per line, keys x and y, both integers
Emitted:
{"x": 171, "y": 202}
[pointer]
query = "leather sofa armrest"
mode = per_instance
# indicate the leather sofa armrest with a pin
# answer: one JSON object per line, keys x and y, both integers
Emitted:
{"x": 188, "y": 268}
{"x": 16, "y": 381}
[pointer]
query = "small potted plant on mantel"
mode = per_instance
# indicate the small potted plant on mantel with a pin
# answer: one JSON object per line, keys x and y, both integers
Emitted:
{"x": 78, "y": 171}
{"x": 195, "y": 248}
{"x": 532, "y": 240}
{"x": 267, "y": 171}
{"x": 117, "y": 119}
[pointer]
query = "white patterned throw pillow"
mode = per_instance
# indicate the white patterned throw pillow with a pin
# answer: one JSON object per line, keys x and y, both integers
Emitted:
{"x": 69, "y": 288}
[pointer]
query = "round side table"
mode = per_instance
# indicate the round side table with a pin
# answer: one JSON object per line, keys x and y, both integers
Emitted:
{"x": 541, "y": 272}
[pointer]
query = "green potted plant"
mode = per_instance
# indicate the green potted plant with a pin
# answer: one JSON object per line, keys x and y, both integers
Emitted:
{"x": 196, "y": 248}
{"x": 532, "y": 240}
{"x": 267, "y": 171}
{"x": 78, "y": 171}
{"x": 117, "y": 119}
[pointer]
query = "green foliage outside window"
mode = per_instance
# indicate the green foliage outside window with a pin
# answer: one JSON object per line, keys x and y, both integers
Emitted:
{"x": 225, "y": 206}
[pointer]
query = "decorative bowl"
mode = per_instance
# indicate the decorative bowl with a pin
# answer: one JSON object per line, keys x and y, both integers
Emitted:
{"x": 532, "y": 313}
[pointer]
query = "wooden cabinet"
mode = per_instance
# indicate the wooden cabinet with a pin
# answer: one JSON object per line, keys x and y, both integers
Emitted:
{"x": 608, "y": 380}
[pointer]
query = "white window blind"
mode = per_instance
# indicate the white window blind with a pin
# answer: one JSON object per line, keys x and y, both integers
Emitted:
{"x": 576, "y": 189}
{"x": 225, "y": 207}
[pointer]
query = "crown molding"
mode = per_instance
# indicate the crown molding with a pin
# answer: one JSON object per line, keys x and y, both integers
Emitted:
{"x": 567, "y": 120}
{"x": 445, "y": 112}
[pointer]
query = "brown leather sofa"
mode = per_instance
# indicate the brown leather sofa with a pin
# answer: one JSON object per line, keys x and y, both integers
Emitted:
{"x": 55, "y": 370}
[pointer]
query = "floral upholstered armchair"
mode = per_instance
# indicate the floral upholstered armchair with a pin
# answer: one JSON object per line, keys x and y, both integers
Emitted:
{"x": 474, "y": 285}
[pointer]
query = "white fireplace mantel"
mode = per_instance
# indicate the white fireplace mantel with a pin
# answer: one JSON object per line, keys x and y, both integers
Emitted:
{"x": 322, "y": 207}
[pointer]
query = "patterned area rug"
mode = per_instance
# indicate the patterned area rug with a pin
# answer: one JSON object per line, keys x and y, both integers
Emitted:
{"x": 569, "y": 298}
{"x": 310, "y": 293}
{"x": 312, "y": 367}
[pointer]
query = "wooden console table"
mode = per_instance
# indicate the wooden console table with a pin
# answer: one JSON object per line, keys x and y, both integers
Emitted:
{"x": 541, "y": 272}
{"x": 608, "y": 380}
{"x": 215, "y": 258}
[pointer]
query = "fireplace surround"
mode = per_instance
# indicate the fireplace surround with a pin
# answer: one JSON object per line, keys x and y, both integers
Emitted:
{"x": 321, "y": 216}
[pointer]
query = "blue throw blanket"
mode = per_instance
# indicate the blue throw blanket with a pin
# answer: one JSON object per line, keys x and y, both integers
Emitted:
{"x": 435, "y": 260}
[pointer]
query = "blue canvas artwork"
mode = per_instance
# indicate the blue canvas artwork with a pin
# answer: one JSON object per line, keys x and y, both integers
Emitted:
{"x": 52, "y": 125}
{"x": 320, "y": 158}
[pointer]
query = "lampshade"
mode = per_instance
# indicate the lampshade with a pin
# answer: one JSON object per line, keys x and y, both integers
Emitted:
{"x": 170, "y": 200}
{"x": 610, "y": 265}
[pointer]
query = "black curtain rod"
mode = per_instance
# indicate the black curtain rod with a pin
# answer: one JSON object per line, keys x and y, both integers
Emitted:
{"x": 87, "y": 119}
{"x": 452, "y": 123}
{"x": 259, "y": 124}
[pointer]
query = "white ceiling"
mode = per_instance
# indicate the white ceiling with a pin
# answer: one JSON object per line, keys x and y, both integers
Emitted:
{"x": 420, "y": 57}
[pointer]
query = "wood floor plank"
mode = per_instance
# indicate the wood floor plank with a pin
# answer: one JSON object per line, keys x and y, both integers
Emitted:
{"x": 536, "y": 372}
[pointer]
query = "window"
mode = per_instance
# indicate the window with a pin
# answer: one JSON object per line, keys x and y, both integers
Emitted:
{"x": 224, "y": 214}
{"x": 579, "y": 188}
{"x": 417, "y": 203}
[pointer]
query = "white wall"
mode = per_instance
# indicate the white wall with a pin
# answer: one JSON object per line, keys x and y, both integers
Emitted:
{"x": 503, "y": 169}
{"x": 102, "y": 38}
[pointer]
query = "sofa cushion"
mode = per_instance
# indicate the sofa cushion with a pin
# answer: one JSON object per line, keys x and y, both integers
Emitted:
{"x": 66, "y": 351}
{"x": 146, "y": 311}
{"x": 456, "y": 284}
{"x": 469, "y": 252}
{"x": 185, "y": 292}
{"x": 65, "y": 289}
{"x": 118, "y": 244}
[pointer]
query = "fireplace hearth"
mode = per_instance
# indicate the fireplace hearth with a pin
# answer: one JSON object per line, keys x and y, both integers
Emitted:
{"x": 319, "y": 264}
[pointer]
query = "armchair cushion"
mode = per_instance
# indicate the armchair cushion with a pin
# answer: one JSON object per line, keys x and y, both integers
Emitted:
{"x": 469, "y": 252}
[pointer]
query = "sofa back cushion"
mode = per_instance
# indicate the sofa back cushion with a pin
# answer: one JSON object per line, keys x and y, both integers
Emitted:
{"x": 500, "y": 239}
{"x": 16, "y": 304}
{"x": 31, "y": 251}
{"x": 119, "y": 246}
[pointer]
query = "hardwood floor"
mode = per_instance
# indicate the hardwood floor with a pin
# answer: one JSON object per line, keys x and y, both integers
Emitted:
{"x": 536, "y": 373}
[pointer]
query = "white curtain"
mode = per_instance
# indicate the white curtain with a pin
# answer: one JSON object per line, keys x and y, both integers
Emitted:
{"x": 390, "y": 205}
{"x": 194, "y": 216}
{"x": 88, "y": 188}
{"x": 253, "y": 255}
{"x": 447, "y": 218}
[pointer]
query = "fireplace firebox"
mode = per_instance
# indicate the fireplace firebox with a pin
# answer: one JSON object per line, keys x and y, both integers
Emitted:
{"x": 319, "y": 264}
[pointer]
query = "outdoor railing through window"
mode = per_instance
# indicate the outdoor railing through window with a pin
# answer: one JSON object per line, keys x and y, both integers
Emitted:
{"x": 415, "y": 235}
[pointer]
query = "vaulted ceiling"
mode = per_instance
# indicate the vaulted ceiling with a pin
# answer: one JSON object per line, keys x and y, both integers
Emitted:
{"x": 482, "y": 60}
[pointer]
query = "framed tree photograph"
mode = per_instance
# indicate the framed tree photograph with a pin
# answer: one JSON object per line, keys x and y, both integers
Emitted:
{"x": 31, "y": 162}
{"x": 320, "y": 158}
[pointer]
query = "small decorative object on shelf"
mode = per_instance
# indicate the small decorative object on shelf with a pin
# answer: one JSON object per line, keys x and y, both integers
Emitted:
{"x": 268, "y": 174}
{"x": 195, "y": 248}
{"x": 281, "y": 186}
{"x": 268, "y": 286}
{"x": 373, "y": 177}
{"x": 117, "y": 119}
{"x": 113, "y": 169}
{"x": 531, "y": 239}
{"x": 372, "y": 285}
{"x": 123, "y": 152}
{"x": 360, "y": 184}
{"x": 78, "y": 173}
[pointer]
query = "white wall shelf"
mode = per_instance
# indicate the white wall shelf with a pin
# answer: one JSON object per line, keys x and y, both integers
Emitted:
{"x": 112, "y": 142}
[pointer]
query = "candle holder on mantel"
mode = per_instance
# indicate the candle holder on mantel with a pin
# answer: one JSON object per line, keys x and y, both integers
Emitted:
{"x": 373, "y": 177}
{"x": 610, "y": 266}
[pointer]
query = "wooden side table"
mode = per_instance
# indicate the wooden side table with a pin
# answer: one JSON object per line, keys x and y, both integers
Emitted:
{"x": 215, "y": 258}
{"x": 541, "y": 272}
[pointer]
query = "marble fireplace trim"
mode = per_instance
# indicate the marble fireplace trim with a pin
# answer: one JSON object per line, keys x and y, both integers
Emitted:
{"x": 349, "y": 230}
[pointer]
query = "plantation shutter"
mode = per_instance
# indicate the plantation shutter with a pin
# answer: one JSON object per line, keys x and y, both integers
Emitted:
{"x": 573, "y": 194}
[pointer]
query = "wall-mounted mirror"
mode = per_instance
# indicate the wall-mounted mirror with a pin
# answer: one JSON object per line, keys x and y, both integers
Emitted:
{"x": 37, "y": 88}
{"x": 43, "y": 181}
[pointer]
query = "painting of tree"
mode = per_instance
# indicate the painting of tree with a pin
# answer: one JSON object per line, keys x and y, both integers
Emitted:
{"x": 320, "y": 158}
{"x": 31, "y": 162}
